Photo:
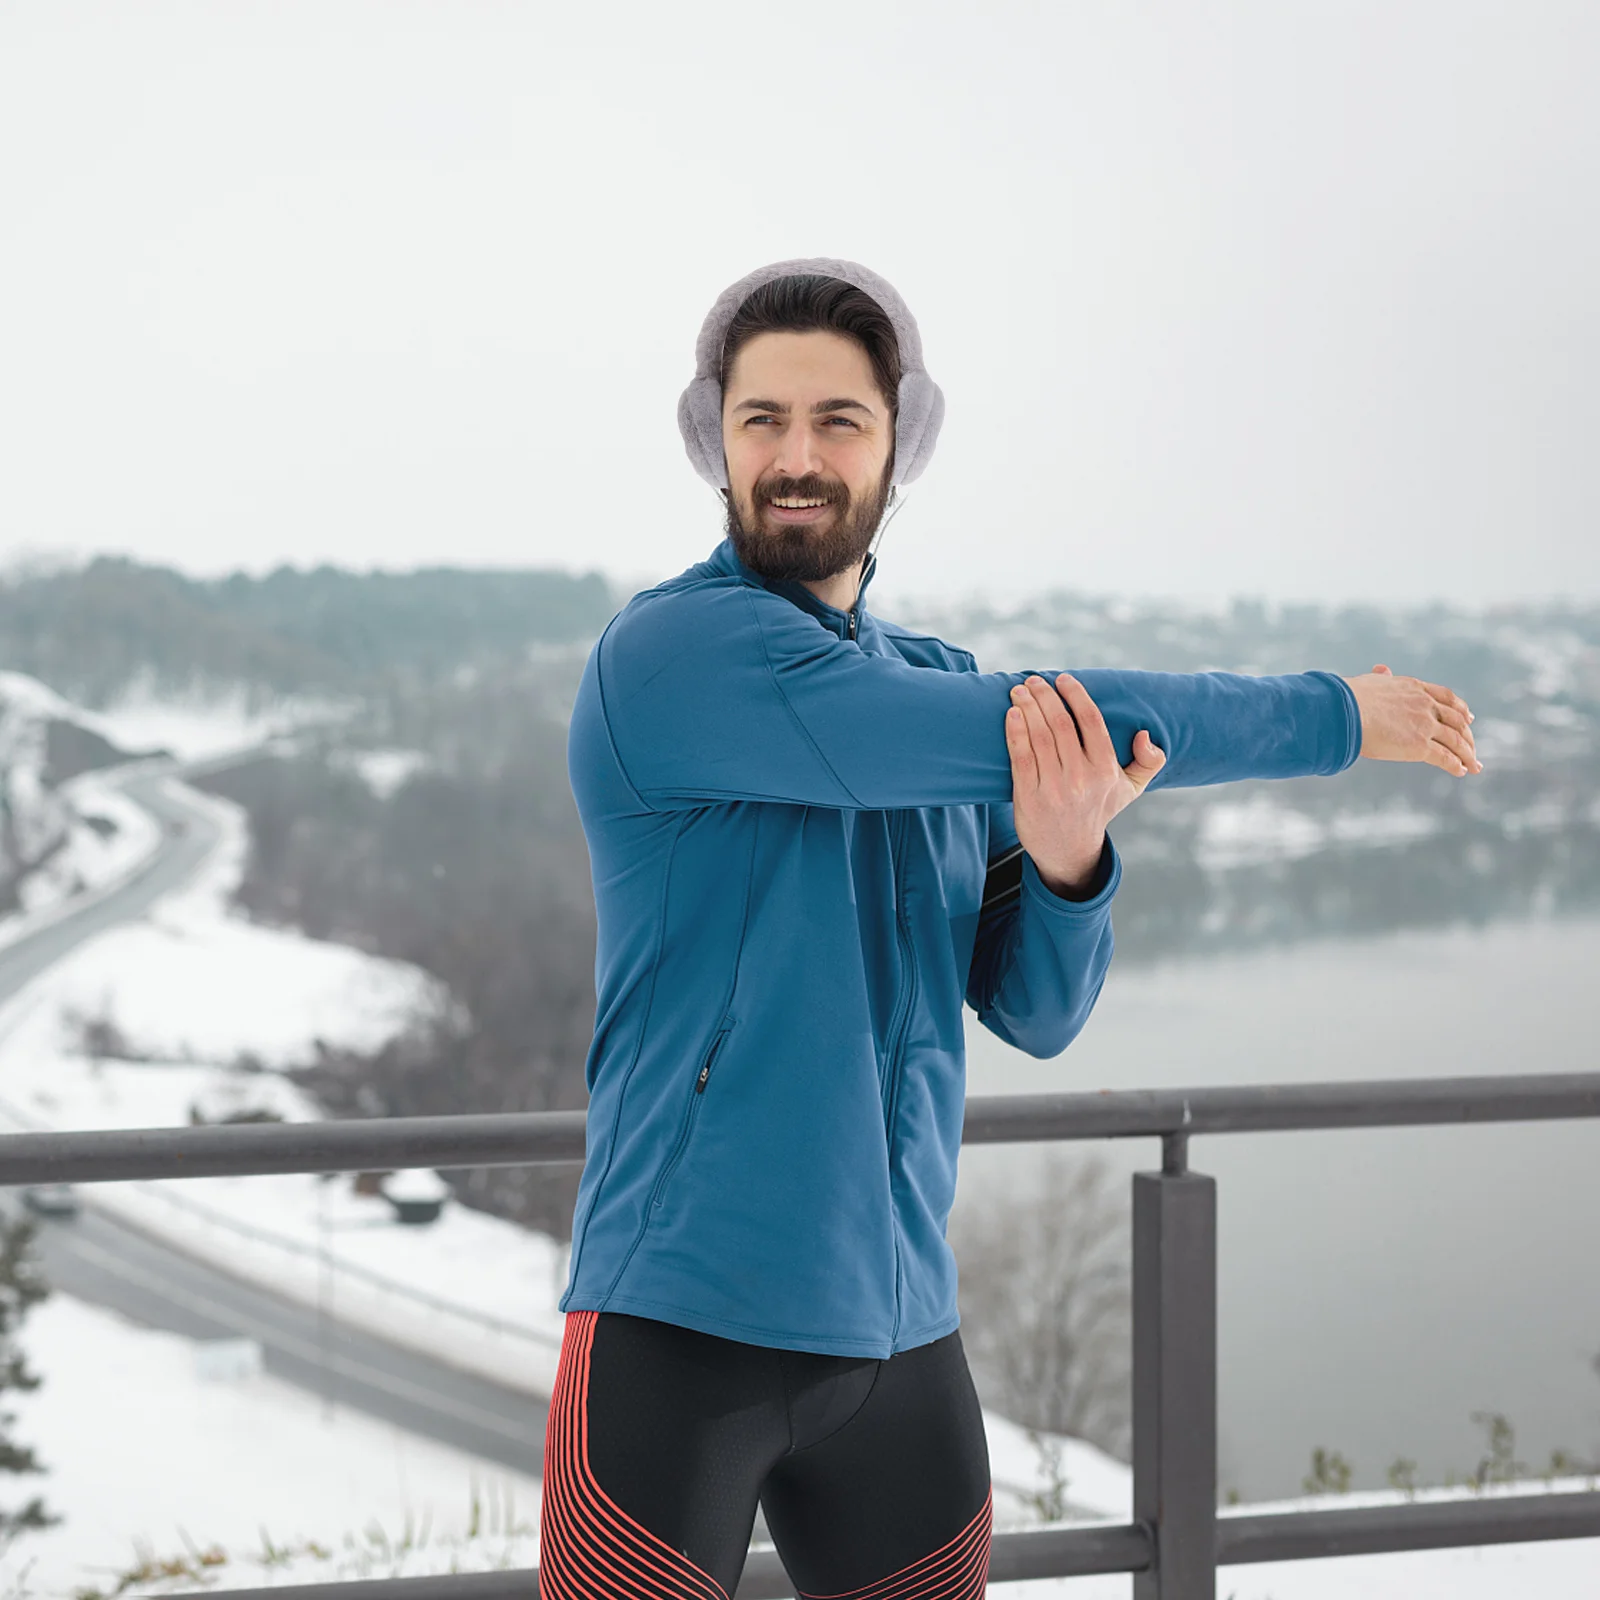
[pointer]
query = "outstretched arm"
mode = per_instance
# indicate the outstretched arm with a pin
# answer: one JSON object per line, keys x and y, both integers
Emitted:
{"x": 1044, "y": 939}
{"x": 735, "y": 694}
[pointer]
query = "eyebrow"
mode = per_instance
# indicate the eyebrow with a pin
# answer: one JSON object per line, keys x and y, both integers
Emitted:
{"x": 821, "y": 408}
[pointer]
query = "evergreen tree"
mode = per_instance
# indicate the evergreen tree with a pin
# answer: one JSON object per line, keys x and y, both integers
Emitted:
{"x": 22, "y": 1286}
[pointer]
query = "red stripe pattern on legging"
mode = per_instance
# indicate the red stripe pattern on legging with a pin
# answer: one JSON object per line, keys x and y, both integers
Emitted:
{"x": 589, "y": 1547}
{"x": 955, "y": 1571}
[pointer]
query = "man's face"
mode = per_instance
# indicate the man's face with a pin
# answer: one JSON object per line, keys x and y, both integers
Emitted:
{"x": 809, "y": 441}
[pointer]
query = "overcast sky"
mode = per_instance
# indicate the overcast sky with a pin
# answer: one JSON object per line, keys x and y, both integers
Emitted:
{"x": 1296, "y": 300}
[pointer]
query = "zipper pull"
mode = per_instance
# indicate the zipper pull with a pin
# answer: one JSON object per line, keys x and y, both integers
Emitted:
{"x": 700, "y": 1082}
{"x": 850, "y": 624}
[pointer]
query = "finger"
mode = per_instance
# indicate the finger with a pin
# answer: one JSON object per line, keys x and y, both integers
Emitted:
{"x": 1046, "y": 754}
{"x": 1448, "y": 697}
{"x": 1024, "y": 766}
{"x": 1096, "y": 736}
{"x": 1068, "y": 735}
{"x": 1148, "y": 759}
{"x": 1452, "y": 718}
{"x": 1384, "y": 670}
{"x": 1446, "y": 760}
{"x": 1458, "y": 745}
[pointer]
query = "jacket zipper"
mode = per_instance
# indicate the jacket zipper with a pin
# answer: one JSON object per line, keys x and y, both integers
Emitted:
{"x": 691, "y": 1112}
{"x": 896, "y": 1052}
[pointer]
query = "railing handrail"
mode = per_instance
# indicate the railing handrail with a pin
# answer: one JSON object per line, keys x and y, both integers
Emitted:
{"x": 1099, "y": 1548}
{"x": 525, "y": 1138}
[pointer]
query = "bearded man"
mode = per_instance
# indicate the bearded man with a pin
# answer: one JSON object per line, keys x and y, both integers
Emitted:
{"x": 813, "y": 835}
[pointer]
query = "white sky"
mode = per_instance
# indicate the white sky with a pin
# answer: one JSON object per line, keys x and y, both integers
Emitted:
{"x": 1295, "y": 300}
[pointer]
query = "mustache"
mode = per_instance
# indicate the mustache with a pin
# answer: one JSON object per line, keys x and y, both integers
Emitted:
{"x": 810, "y": 487}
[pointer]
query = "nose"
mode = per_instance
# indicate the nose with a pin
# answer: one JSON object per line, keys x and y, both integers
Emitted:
{"x": 797, "y": 453}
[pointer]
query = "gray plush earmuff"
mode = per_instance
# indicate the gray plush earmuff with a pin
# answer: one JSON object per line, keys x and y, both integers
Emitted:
{"x": 921, "y": 401}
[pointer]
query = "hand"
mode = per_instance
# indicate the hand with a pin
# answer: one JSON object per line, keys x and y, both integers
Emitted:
{"x": 1066, "y": 784}
{"x": 1405, "y": 719}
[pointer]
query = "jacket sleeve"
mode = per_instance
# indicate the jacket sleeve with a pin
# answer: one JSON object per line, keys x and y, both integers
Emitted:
{"x": 1039, "y": 961}
{"x": 730, "y": 693}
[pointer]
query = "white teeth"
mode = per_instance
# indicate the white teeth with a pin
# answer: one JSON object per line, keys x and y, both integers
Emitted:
{"x": 798, "y": 505}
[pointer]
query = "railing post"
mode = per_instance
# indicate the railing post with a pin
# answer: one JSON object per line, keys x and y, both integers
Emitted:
{"x": 1175, "y": 1376}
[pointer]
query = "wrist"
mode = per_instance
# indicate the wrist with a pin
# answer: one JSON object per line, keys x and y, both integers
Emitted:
{"x": 1079, "y": 878}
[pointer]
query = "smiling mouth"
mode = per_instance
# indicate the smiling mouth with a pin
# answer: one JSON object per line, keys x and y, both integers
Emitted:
{"x": 798, "y": 508}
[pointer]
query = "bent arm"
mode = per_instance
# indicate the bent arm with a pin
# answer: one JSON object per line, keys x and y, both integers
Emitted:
{"x": 734, "y": 694}
{"x": 1039, "y": 961}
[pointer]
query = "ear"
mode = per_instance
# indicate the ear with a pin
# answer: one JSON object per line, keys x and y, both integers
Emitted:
{"x": 700, "y": 423}
{"x": 916, "y": 431}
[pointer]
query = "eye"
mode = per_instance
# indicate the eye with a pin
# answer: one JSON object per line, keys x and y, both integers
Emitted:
{"x": 847, "y": 422}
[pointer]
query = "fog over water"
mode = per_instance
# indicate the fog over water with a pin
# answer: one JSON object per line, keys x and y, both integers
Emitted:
{"x": 1376, "y": 1287}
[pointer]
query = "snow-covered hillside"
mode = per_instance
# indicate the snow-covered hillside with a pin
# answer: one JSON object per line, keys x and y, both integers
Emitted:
{"x": 63, "y": 836}
{"x": 64, "y": 831}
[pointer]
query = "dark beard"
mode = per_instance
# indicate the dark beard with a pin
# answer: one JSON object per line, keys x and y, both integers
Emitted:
{"x": 804, "y": 555}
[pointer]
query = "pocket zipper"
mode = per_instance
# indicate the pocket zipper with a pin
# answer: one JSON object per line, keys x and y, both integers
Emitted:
{"x": 700, "y": 1082}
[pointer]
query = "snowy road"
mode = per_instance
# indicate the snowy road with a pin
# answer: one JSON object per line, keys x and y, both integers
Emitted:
{"x": 100, "y": 1259}
{"x": 190, "y": 837}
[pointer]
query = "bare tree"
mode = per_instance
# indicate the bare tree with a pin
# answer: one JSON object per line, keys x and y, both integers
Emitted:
{"x": 1045, "y": 1297}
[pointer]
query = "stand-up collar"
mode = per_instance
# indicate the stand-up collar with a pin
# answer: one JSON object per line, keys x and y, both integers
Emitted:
{"x": 847, "y": 624}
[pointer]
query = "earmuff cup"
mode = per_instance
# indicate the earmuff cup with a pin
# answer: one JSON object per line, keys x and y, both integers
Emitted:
{"x": 700, "y": 423}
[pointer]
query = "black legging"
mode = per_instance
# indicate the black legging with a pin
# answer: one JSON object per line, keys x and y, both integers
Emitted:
{"x": 873, "y": 1475}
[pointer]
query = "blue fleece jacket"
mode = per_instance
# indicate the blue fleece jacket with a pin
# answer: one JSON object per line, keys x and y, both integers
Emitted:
{"x": 791, "y": 814}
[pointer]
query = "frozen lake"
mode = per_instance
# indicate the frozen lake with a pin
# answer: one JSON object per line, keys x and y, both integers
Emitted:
{"x": 1377, "y": 1287}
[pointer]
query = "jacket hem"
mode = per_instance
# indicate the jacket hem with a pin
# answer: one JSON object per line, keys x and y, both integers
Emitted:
{"x": 740, "y": 1332}
{"x": 927, "y": 1334}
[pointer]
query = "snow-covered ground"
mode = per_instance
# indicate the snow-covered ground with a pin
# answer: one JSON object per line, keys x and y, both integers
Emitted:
{"x": 86, "y": 835}
{"x": 149, "y": 1461}
{"x": 206, "y": 726}
{"x": 106, "y": 839}
{"x": 385, "y": 772}
{"x": 210, "y": 1005}
{"x": 195, "y": 982}
{"x": 78, "y": 840}
{"x": 142, "y": 722}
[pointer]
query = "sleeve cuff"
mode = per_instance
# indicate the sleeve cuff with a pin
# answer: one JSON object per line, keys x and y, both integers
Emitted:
{"x": 1107, "y": 876}
{"x": 1352, "y": 718}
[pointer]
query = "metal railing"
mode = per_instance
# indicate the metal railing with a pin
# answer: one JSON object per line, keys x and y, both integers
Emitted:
{"x": 1177, "y": 1540}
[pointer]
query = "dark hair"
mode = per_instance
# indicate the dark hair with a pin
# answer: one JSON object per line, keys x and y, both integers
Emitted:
{"x": 809, "y": 302}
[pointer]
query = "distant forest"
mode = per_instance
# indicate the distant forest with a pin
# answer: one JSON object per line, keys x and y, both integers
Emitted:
{"x": 94, "y": 631}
